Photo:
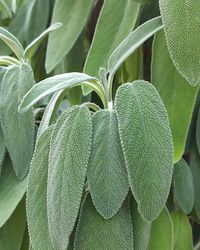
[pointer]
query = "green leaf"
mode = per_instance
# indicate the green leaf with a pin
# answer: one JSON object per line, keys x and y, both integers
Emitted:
{"x": 182, "y": 232}
{"x": 11, "y": 234}
{"x": 11, "y": 191}
{"x": 68, "y": 160}
{"x": 132, "y": 42}
{"x": 183, "y": 186}
{"x": 147, "y": 145}
{"x": 107, "y": 175}
{"x": 70, "y": 31}
{"x": 94, "y": 232}
{"x": 183, "y": 40}
{"x": 162, "y": 232}
{"x": 18, "y": 128}
{"x": 51, "y": 85}
{"x": 178, "y": 96}
{"x": 198, "y": 130}
{"x": 36, "y": 206}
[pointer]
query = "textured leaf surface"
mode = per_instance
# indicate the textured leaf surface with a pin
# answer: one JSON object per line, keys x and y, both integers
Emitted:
{"x": 107, "y": 175}
{"x": 68, "y": 160}
{"x": 182, "y": 232}
{"x": 70, "y": 31}
{"x": 36, "y": 205}
{"x": 11, "y": 191}
{"x": 162, "y": 232}
{"x": 94, "y": 232}
{"x": 147, "y": 145}
{"x": 18, "y": 128}
{"x": 181, "y": 24}
{"x": 183, "y": 186}
{"x": 178, "y": 96}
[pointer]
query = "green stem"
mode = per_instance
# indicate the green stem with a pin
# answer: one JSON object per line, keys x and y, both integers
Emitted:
{"x": 92, "y": 105}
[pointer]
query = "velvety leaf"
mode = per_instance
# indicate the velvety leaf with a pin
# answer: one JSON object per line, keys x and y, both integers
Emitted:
{"x": 36, "y": 205}
{"x": 161, "y": 236}
{"x": 18, "y": 128}
{"x": 178, "y": 96}
{"x": 70, "y": 31}
{"x": 147, "y": 145}
{"x": 182, "y": 232}
{"x": 94, "y": 232}
{"x": 68, "y": 160}
{"x": 183, "y": 186}
{"x": 183, "y": 40}
{"x": 107, "y": 175}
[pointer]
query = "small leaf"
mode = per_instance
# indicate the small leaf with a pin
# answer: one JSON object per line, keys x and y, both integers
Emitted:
{"x": 183, "y": 186}
{"x": 94, "y": 232}
{"x": 68, "y": 160}
{"x": 107, "y": 175}
{"x": 147, "y": 145}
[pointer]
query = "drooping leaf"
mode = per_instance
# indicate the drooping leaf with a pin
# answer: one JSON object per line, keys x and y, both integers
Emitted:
{"x": 161, "y": 236}
{"x": 183, "y": 186}
{"x": 147, "y": 145}
{"x": 68, "y": 160}
{"x": 107, "y": 175}
{"x": 183, "y": 40}
{"x": 18, "y": 128}
{"x": 94, "y": 232}
{"x": 178, "y": 96}
{"x": 36, "y": 205}
{"x": 133, "y": 41}
{"x": 67, "y": 35}
{"x": 182, "y": 232}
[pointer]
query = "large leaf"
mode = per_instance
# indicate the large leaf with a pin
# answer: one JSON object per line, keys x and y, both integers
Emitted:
{"x": 107, "y": 175}
{"x": 36, "y": 205}
{"x": 68, "y": 160}
{"x": 181, "y": 25}
{"x": 182, "y": 232}
{"x": 147, "y": 145}
{"x": 133, "y": 41}
{"x": 18, "y": 128}
{"x": 11, "y": 191}
{"x": 178, "y": 96}
{"x": 66, "y": 36}
{"x": 183, "y": 186}
{"x": 94, "y": 232}
{"x": 162, "y": 233}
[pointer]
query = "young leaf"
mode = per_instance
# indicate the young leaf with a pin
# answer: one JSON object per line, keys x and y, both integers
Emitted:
{"x": 133, "y": 41}
{"x": 162, "y": 232}
{"x": 178, "y": 96}
{"x": 68, "y": 160}
{"x": 183, "y": 186}
{"x": 67, "y": 35}
{"x": 18, "y": 128}
{"x": 36, "y": 206}
{"x": 147, "y": 145}
{"x": 183, "y": 40}
{"x": 94, "y": 232}
{"x": 107, "y": 175}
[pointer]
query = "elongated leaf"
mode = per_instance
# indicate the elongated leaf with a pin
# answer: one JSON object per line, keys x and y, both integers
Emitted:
{"x": 147, "y": 145}
{"x": 94, "y": 232}
{"x": 52, "y": 85}
{"x": 178, "y": 96}
{"x": 133, "y": 41}
{"x": 183, "y": 186}
{"x": 107, "y": 175}
{"x": 162, "y": 232}
{"x": 183, "y": 44}
{"x": 36, "y": 205}
{"x": 68, "y": 34}
{"x": 68, "y": 160}
{"x": 11, "y": 191}
{"x": 182, "y": 232}
{"x": 18, "y": 128}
